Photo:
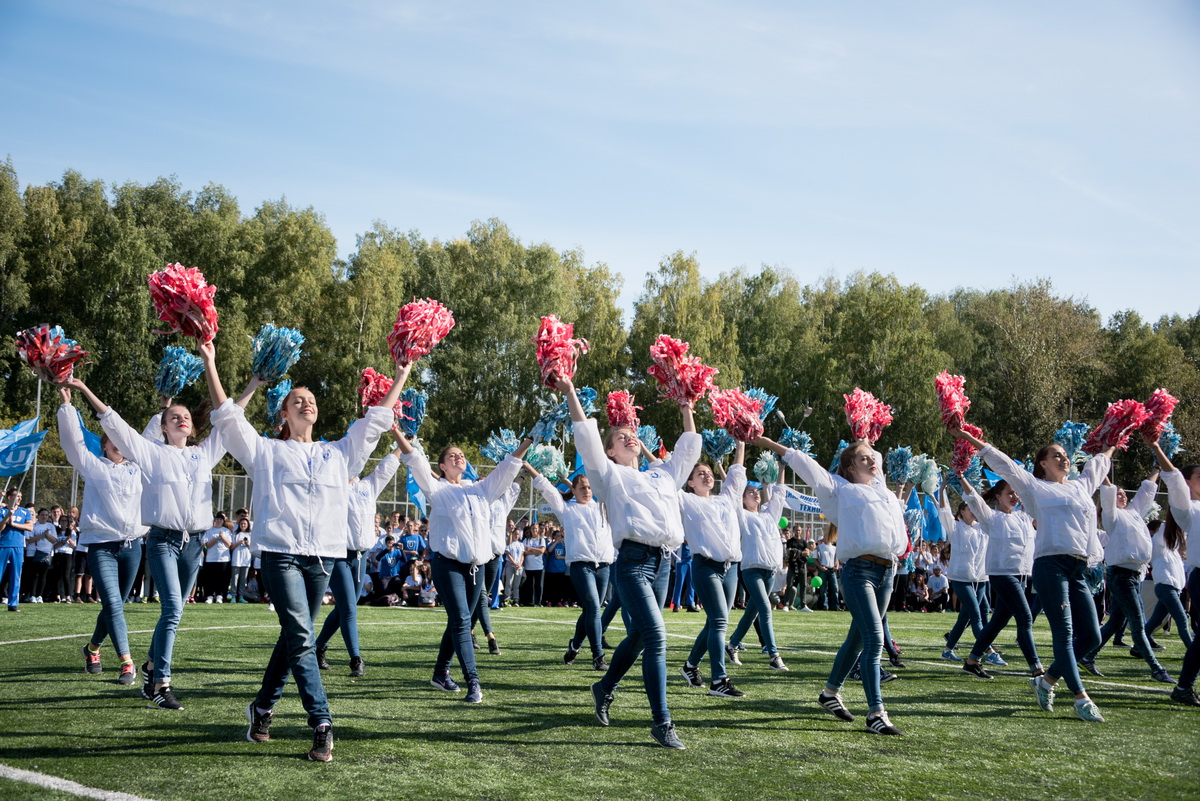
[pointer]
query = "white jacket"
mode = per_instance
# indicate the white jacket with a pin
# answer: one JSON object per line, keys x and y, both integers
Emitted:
{"x": 1010, "y": 538}
{"x": 585, "y": 526}
{"x": 112, "y": 493}
{"x": 642, "y": 506}
{"x": 460, "y": 515}
{"x": 1065, "y": 513}
{"x": 500, "y": 509}
{"x": 762, "y": 546}
{"x": 710, "y": 524}
{"x": 300, "y": 499}
{"x": 869, "y": 518}
{"x": 1167, "y": 564}
{"x": 1187, "y": 515}
{"x": 364, "y": 492}
{"x": 177, "y": 482}
{"x": 968, "y": 548}
{"x": 1128, "y": 543}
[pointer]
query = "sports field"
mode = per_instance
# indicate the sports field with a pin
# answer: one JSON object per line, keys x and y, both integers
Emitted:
{"x": 535, "y": 735}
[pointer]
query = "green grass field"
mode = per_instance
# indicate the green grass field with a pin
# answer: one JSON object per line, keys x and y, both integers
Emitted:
{"x": 535, "y": 736}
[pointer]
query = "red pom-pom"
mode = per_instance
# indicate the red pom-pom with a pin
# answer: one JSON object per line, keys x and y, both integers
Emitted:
{"x": 48, "y": 352}
{"x": 682, "y": 378}
{"x": 1159, "y": 406}
{"x": 374, "y": 387}
{"x": 963, "y": 450}
{"x": 1119, "y": 422}
{"x": 867, "y": 415}
{"x": 621, "y": 411}
{"x": 420, "y": 325}
{"x": 557, "y": 350}
{"x": 953, "y": 402}
{"x": 184, "y": 300}
{"x": 737, "y": 413}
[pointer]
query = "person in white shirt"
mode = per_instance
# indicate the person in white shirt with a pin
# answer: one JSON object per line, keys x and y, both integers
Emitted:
{"x": 501, "y": 507}
{"x": 967, "y": 573}
{"x": 828, "y": 568}
{"x": 762, "y": 563}
{"x": 939, "y": 590}
{"x": 514, "y": 568}
{"x": 240, "y": 558}
{"x": 214, "y": 577}
{"x": 39, "y": 552}
{"x": 1166, "y": 563}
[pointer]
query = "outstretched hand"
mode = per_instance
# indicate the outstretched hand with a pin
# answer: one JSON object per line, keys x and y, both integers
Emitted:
{"x": 564, "y": 385}
{"x": 65, "y": 394}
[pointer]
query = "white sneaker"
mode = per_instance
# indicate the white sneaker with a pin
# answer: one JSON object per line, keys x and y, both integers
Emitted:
{"x": 220, "y": 599}
{"x": 208, "y": 600}
{"x": 1088, "y": 711}
{"x": 993, "y": 658}
{"x": 949, "y": 655}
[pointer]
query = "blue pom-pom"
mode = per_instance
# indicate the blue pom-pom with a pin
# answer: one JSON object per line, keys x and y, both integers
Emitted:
{"x": 177, "y": 370}
{"x": 414, "y": 411}
{"x": 767, "y": 468}
{"x": 1071, "y": 437}
{"x": 559, "y": 416}
{"x": 973, "y": 476}
{"x": 1170, "y": 442}
{"x": 275, "y": 398}
{"x": 1028, "y": 465}
{"x": 837, "y": 456}
{"x": 798, "y": 440}
{"x": 913, "y": 519}
{"x": 548, "y": 460}
{"x": 500, "y": 445}
{"x": 898, "y": 462}
{"x": 650, "y": 438}
{"x": 718, "y": 443}
{"x": 275, "y": 351}
{"x": 924, "y": 472}
{"x": 768, "y": 400}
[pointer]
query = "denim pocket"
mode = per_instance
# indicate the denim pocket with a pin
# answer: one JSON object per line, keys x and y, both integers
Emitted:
{"x": 635, "y": 553}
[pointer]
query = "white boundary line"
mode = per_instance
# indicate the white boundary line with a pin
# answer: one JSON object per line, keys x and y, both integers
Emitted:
{"x": 220, "y": 628}
{"x": 64, "y": 785}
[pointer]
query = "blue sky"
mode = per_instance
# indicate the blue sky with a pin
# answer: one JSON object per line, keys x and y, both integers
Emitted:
{"x": 953, "y": 144}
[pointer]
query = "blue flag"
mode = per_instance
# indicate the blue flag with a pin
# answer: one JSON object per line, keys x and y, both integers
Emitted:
{"x": 991, "y": 477}
{"x": 92, "y": 441}
{"x": 799, "y": 502}
{"x": 415, "y": 496}
{"x": 17, "y": 455}
{"x": 19, "y": 431}
{"x": 933, "y": 524}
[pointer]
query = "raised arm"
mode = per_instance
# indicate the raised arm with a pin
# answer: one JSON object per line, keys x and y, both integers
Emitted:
{"x": 548, "y": 491}
{"x": 71, "y": 438}
{"x": 1160, "y": 456}
{"x": 1144, "y": 499}
{"x": 805, "y": 466}
{"x": 981, "y": 510}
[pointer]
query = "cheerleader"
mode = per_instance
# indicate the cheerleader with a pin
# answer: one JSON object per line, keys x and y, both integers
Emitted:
{"x": 590, "y": 554}
{"x": 112, "y": 529}
{"x": 482, "y": 614}
{"x": 1166, "y": 564}
{"x": 710, "y": 525}
{"x": 1009, "y": 561}
{"x": 762, "y": 559}
{"x": 461, "y": 541}
{"x": 643, "y": 510}
{"x": 871, "y": 536}
{"x": 967, "y": 573}
{"x": 301, "y": 507}
{"x": 1066, "y": 518}
{"x": 346, "y": 572}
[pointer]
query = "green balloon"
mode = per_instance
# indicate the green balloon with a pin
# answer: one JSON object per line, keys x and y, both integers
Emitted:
{"x": 817, "y": 581}
{"x": 783, "y": 523}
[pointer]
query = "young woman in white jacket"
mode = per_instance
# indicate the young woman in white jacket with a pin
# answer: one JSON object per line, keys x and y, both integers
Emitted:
{"x": 1067, "y": 534}
{"x": 460, "y": 539}
{"x": 1166, "y": 563}
{"x": 346, "y": 572}
{"x": 111, "y": 527}
{"x": 491, "y": 569}
{"x": 643, "y": 511}
{"x": 762, "y": 559}
{"x": 590, "y": 554}
{"x": 710, "y": 525}
{"x": 871, "y": 537}
{"x": 301, "y": 508}
{"x": 967, "y": 573}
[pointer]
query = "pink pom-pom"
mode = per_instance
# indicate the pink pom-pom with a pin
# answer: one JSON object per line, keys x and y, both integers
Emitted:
{"x": 963, "y": 450}
{"x": 1119, "y": 422}
{"x": 557, "y": 350}
{"x": 49, "y": 353}
{"x": 184, "y": 300}
{"x": 881, "y": 419}
{"x": 682, "y": 378}
{"x": 737, "y": 413}
{"x": 621, "y": 411}
{"x": 420, "y": 325}
{"x": 374, "y": 387}
{"x": 867, "y": 415}
{"x": 952, "y": 400}
{"x": 1159, "y": 406}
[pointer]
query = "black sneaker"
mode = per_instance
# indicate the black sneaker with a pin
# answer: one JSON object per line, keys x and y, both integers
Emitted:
{"x": 1156, "y": 646}
{"x": 725, "y": 689}
{"x": 1187, "y": 696}
{"x": 91, "y": 661}
{"x": 600, "y": 663}
{"x": 322, "y": 750}
{"x": 1162, "y": 675}
{"x": 879, "y": 724}
{"x": 1136, "y": 654}
{"x": 885, "y": 677}
{"x": 358, "y": 668}
{"x": 474, "y": 642}
{"x": 569, "y": 656}
{"x": 260, "y": 724}
{"x": 603, "y": 701}
{"x": 1090, "y": 666}
{"x": 894, "y": 661}
{"x": 665, "y": 734}
{"x": 976, "y": 669}
{"x": 128, "y": 674}
{"x": 322, "y": 662}
{"x": 147, "y": 681}
{"x": 165, "y": 699}
{"x": 692, "y": 674}
{"x": 604, "y": 643}
{"x": 474, "y": 693}
{"x": 493, "y": 647}
{"x": 834, "y": 706}
{"x": 855, "y": 673}
{"x": 444, "y": 683}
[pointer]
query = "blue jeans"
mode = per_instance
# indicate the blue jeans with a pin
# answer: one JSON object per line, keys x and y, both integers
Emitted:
{"x": 970, "y": 595}
{"x": 1169, "y": 604}
{"x": 867, "y": 589}
{"x": 296, "y": 585}
{"x": 459, "y": 587}
{"x": 1125, "y": 589}
{"x": 113, "y": 566}
{"x": 758, "y": 581}
{"x": 11, "y": 562}
{"x": 481, "y": 614}
{"x": 715, "y": 583}
{"x": 829, "y": 590}
{"x": 345, "y": 580}
{"x": 173, "y": 559}
{"x": 591, "y": 584}
{"x": 683, "y": 575}
{"x": 1067, "y": 603}
{"x": 1010, "y": 605}
{"x": 640, "y": 574}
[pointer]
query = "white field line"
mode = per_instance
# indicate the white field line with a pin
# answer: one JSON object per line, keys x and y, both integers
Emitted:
{"x": 219, "y": 628}
{"x": 64, "y": 785}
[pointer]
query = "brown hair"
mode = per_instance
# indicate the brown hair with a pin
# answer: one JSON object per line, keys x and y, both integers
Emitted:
{"x": 1172, "y": 533}
{"x": 846, "y": 460}
{"x": 611, "y": 435}
{"x": 1038, "y": 471}
{"x": 994, "y": 491}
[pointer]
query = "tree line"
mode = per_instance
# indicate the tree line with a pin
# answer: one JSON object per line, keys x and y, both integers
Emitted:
{"x": 76, "y": 252}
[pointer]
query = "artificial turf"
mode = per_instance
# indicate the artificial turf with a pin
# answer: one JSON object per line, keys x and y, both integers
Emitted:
{"x": 535, "y": 735}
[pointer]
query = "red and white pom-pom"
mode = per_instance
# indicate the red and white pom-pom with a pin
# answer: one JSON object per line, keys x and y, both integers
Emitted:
{"x": 557, "y": 349}
{"x": 952, "y": 400}
{"x": 420, "y": 325}
{"x": 49, "y": 353}
{"x": 374, "y": 387}
{"x": 682, "y": 378}
{"x": 881, "y": 419}
{"x": 963, "y": 450}
{"x": 184, "y": 300}
{"x": 1119, "y": 422}
{"x": 621, "y": 411}
{"x": 737, "y": 413}
{"x": 867, "y": 415}
{"x": 1159, "y": 406}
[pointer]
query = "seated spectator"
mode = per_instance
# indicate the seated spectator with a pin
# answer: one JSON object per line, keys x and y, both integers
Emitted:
{"x": 411, "y": 592}
{"x": 918, "y": 593}
{"x": 939, "y": 590}
{"x": 391, "y": 561}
